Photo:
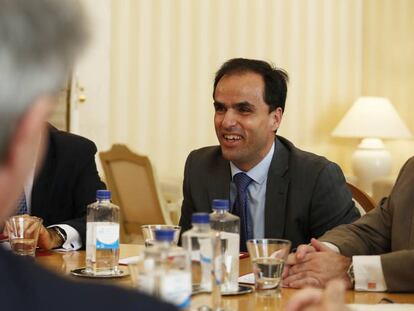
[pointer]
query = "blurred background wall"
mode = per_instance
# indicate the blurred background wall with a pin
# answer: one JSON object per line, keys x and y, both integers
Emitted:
{"x": 153, "y": 65}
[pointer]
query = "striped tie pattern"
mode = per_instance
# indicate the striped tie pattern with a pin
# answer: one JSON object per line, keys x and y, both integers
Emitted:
{"x": 241, "y": 209}
{"x": 22, "y": 206}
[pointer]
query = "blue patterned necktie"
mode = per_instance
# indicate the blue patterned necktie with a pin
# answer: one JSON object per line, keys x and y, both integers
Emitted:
{"x": 22, "y": 206}
{"x": 241, "y": 209}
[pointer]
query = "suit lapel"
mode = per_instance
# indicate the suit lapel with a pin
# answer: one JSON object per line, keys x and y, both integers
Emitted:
{"x": 41, "y": 191}
{"x": 276, "y": 192}
{"x": 219, "y": 180}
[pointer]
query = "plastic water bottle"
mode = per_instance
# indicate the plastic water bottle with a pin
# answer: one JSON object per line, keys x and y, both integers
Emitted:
{"x": 198, "y": 242}
{"x": 102, "y": 236}
{"x": 166, "y": 271}
{"x": 203, "y": 246}
{"x": 229, "y": 227}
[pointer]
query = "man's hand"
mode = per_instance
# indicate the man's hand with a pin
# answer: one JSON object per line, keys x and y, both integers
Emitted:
{"x": 48, "y": 238}
{"x": 295, "y": 258}
{"x": 316, "y": 267}
{"x": 310, "y": 299}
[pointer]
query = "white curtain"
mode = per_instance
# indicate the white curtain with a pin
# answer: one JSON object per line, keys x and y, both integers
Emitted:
{"x": 164, "y": 54}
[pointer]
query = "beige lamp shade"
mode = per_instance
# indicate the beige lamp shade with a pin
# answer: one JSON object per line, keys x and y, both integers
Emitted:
{"x": 372, "y": 117}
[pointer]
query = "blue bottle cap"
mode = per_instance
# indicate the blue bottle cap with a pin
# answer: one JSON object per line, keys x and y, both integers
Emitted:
{"x": 221, "y": 204}
{"x": 103, "y": 194}
{"x": 200, "y": 218}
{"x": 164, "y": 235}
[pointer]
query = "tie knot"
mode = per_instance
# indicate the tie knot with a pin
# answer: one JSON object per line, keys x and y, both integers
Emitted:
{"x": 242, "y": 181}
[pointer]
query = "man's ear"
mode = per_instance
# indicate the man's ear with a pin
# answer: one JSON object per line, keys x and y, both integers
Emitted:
{"x": 276, "y": 118}
{"x": 20, "y": 155}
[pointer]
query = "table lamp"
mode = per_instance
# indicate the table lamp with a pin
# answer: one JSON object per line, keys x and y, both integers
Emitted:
{"x": 371, "y": 119}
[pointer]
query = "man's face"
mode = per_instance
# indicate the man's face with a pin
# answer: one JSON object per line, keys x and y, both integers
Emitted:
{"x": 244, "y": 126}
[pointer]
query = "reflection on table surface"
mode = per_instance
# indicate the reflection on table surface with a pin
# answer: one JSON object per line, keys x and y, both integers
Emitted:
{"x": 63, "y": 263}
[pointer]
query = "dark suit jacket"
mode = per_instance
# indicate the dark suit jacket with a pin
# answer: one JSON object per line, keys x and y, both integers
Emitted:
{"x": 306, "y": 194}
{"x": 67, "y": 181}
{"x": 26, "y": 286}
{"x": 387, "y": 230}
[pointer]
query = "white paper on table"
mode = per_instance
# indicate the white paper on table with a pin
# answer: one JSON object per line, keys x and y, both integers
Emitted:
{"x": 62, "y": 250}
{"x": 247, "y": 279}
{"x": 382, "y": 307}
{"x": 129, "y": 260}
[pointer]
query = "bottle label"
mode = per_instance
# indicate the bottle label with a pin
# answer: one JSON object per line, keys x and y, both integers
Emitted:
{"x": 107, "y": 236}
{"x": 206, "y": 253}
{"x": 146, "y": 283}
{"x": 230, "y": 261}
{"x": 176, "y": 288}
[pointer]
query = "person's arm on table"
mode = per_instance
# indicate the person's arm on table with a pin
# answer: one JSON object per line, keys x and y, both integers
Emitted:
{"x": 327, "y": 263}
{"x": 315, "y": 265}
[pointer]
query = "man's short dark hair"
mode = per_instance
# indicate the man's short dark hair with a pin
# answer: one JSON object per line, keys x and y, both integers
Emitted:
{"x": 275, "y": 79}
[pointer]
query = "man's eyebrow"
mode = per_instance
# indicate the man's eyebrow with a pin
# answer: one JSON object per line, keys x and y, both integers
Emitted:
{"x": 239, "y": 105}
{"x": 244, "y": 105}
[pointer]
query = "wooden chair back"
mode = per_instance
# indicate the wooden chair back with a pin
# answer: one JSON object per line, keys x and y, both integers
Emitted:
{"x": 131, "y": 179}
{"x": 362, "y": 198}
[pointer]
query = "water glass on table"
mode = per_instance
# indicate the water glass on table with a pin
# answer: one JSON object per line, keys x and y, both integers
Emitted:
{"x": 148, "y": 232}
{"x": 23, "y": 232}
{"x": 268, "y": 257}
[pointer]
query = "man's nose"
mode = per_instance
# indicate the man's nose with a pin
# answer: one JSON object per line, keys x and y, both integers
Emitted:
{"x": 229, "y": 119}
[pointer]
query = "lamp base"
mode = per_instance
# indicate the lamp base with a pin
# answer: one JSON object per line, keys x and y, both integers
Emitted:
{"x": 370, "y": 162}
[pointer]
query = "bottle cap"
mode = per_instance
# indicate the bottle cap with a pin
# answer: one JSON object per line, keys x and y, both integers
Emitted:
{"x": 221, "y": 204}
{"x": 164, "y": 235}
{"x": 200, "y": 218}
{"x": 103, "y": 194}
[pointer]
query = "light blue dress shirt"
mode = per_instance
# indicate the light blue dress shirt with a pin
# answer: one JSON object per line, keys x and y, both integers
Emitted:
{"x": 256, "y": 192}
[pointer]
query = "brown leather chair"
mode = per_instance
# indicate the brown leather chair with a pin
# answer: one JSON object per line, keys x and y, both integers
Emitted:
{"x": 134, "y": 187}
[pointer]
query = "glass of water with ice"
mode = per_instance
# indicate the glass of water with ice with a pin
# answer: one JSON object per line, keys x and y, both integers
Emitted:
{"x": 268, "y": 257}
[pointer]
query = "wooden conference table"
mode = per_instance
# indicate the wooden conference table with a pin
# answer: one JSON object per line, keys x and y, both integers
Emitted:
{"x": 63, "y": 263}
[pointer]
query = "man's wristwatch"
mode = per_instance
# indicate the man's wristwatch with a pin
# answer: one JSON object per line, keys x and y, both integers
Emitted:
{"x": 61, "y": 234}
{"x": 351, "y": 275}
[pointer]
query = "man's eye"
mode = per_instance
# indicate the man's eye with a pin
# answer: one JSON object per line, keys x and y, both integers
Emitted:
{"x": 244, "y": 109}
{"x": 219, "y": 108}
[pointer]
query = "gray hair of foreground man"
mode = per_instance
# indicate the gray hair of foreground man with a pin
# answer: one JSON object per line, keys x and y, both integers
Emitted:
{"x": 39, "y": 40}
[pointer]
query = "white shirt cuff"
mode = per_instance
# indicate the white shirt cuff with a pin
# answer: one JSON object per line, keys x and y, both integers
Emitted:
{"x": 333, "y": 247}
{"x": 73, "y": 240}
{"x": 368, "y": 274}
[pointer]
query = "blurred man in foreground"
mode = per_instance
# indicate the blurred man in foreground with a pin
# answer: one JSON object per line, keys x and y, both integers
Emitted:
{"x": 39, "y": 40}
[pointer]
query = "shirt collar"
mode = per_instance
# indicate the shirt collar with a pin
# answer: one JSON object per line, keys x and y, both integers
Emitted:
{"x": 259, "y": 172}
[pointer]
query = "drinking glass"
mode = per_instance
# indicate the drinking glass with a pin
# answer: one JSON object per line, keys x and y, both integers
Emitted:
{"x": 148, "y": 232}
{"x": 268, "y": 257}
{"x": 23, "y": 232}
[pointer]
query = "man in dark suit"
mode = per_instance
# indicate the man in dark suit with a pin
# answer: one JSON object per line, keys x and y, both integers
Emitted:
{"x": 39, "y": 41}
{"x": 66, "y": 183}
{"x": 290, "y": 193}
